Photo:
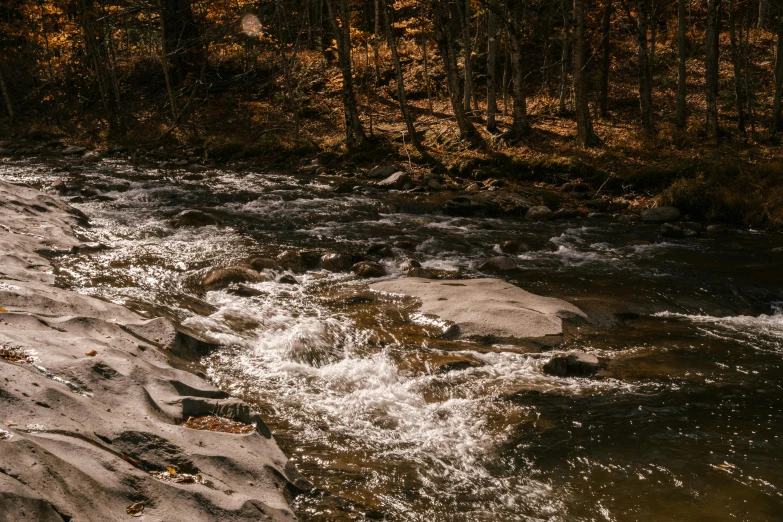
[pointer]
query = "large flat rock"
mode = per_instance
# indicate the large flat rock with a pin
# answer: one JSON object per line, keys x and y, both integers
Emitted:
{"x": 486, "y": 307}
{"x": 91, "y": 410}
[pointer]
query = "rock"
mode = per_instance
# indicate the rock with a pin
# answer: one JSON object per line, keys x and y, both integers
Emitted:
{"x": 410, "y": 263}
{"x": 368, "y": 269}
{"x": 380, "y": 250}
{"x": 575, "y": 187}
{"x": 619, "y": 204}
{"x": 638, "y": 242}
{"x": 60, "y": 185}
{"x": 92, "y": 156}
{"x": 567, "y": 213}
{"x": 243, "y": 290}
{"x": 660, "y": 214}
{"x": 454, "y": 363}
{"x": 311, "y": 259}
{"x": 498, "y": 203}
{"x": 405, "y": 244}
{"x": 193, "y": 218}
{"x": 263, "y": 263}
{"x": 382, "y": 171}
{"x": 509, "y": 247}
{"x": 432, "y": 273}
{"x": 434, "y": 184}
{"x": 343, "y": 188}
{"x": 498, "y": 264}
{"x": 336, "y": 262}
{"x": 599, "y": 204}
{"x": 680, "y": 230}
{"x": 573, "y": 364}
{"x": 473, "y": 187}
{"x": 196, "y": 169}
{"x": 73, "y": 150}
{"x": 193, "y": 177}
{"x": 222, "y": 277}
{"x": 290, "y": 260}
{"x": 539, "y": 213}
{"x": 287, "y": 279}
{"x": 486, "y": 308}
{"x": 397, "y": 181}
{"x": 630, "y": 218}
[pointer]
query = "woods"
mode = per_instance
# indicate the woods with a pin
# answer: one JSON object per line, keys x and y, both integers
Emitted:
{"x": 505, "y": 69}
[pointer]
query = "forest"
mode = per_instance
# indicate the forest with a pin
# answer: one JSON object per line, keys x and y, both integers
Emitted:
{"x": 644, "y": 91}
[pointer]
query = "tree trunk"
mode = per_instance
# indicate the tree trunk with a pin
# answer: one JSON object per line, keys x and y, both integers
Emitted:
{"x": 406, "y": 113}
{"x": 427, "y": 73}
{"x": 682, "y": 114}
{"x": 765, "y": 14}
{"x": 520, "y": 124}
{"x": 711, "y": 66}
{"x": 492, "y": 65}
{"x": 645, "y": 70}
{"x": 339, "y": 16}
{"x": 181, "y": 39}
{"x": 564, "y": 85}
{"x": 6, "y": 98}
{"x": 447, "y": 46}
{"x": 777, "y": 106}
{"x": 606, "y": 58}
{"x": 468, "y": 65}
{"x": 584, "y": 123}
{"x": 737, "y": 65}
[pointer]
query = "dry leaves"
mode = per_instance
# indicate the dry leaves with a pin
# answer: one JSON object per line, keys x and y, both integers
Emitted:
{"x": 135, "y": 509}
{"x": 91, "y": 353}
{"x": 12, "y": 354}
{"x": 212, "y": 423}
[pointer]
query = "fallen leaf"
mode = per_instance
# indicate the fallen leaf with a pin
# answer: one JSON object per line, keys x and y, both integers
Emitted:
{"x": 172, "y": 471}
{"x": 3, "y": 309}
{"x": 91, "y": 353}
{"x": 167, "y": 347}
{"x": 10, "y": 423}
{"x": 130, "y": 459}
{"x": 108, "y": 410}
{"x": 136, "y": 509}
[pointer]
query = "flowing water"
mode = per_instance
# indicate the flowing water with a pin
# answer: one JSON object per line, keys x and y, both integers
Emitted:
{"x": 374, "y": 406}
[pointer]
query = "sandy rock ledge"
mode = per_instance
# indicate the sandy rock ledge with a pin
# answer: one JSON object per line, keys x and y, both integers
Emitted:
{"x": 91, "y": 410}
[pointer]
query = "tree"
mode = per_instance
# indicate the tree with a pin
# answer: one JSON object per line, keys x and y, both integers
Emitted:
{"x": 777, "y": 106}
{"x": 340, "y": 18}
{"x": 737, "y": 66}
{"x": 712, "y": 55}
{"x": 492, "y": 64}
{"x": 585, "y": 135}
{"x": 682, "y": 73}
{"x": 606, "y": 58}
{"x": 644, "y": 63}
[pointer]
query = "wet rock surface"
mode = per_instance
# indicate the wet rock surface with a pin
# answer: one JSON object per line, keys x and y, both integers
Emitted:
{"x": 574, "y": 364}
{"x": 91, "y": 416}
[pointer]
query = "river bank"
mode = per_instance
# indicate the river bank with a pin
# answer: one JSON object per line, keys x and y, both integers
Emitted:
{"x": 92, "y": 409}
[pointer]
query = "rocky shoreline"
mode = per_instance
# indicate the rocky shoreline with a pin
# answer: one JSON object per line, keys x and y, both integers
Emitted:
{"x": 93, "y": 416}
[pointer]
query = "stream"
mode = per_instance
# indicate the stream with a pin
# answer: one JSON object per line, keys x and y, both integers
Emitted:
{"x": 684, "y": 423}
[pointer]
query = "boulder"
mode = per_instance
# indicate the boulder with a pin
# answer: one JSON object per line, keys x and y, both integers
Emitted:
{"x": 660, "y": 214}
{"x": 680, "y": 230}
{"x": 509, "y": 247}
{"x": 263, "y": 263}
{"x": 382, "y": 171}
{"x": 311, "y": 259}
{"x": 287, "y": 279}
{"x": 486, "y": 308}
{"x": 381, "y": 250}
{"x": 619, "y": 204}
{"x": 432, "y": 273}
{"x": 193, "y": 218}
{"x": 396, "y": 181}
{"x": 539, "y": 213}
{"x": 573, "y": 364}
{"x": 222, "y": 277}
{"x": 497, "y": 203}
{"x": 575, "y": 187}
{"x": 599, "y": 204}
{"x": 336, "y": 262}
{"x": 73, "y": 150}
{"x": 92, "y": 156}
{"x": 368, "y": 269}
{"x": 498, "y": 264}
{"x": 567, "y": 213}
{"x": 290, "y": 260}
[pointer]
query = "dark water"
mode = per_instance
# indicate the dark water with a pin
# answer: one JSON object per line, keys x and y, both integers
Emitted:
{"x": 685, "y": 422}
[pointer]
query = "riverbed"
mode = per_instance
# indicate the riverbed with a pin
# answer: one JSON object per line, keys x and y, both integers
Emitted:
{"x": 387, "y": 418}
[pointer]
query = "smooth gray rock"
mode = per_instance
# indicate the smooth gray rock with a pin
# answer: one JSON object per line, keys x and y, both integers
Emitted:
{"x": 397, "y": 181}
{"x": 573, "y": 364}
{"x": 96, "y": 412}
{"x": 539, "y": 213}
{"x": 382, "y": 171}
{"x": 498, "y": 264}
{"x": 486, "y": 307}
{"x": 660, "y": 214}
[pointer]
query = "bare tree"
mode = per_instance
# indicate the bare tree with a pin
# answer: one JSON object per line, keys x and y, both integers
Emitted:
{"x": 584, "y": 122}
{"x": 711, "y": 66}
{"x": 682, "y": 79}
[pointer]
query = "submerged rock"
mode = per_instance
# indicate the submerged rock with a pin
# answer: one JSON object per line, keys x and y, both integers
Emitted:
{"x": 290, "y": 260}
{"x": 660, "y": 214}
{"x": 432, "y": 273}
{"x": 263, "y": 263}
{"x": 336, "y": 262}
{"x": 680, "y": 230}
{"x": 368, "y": 269}
{"x": 573, "y": 364}
{"x": 486, "y": 308}
{"x": 193, "y": 218}
{"x": 498, "y": 264}
{"x": 222, "y": 277}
